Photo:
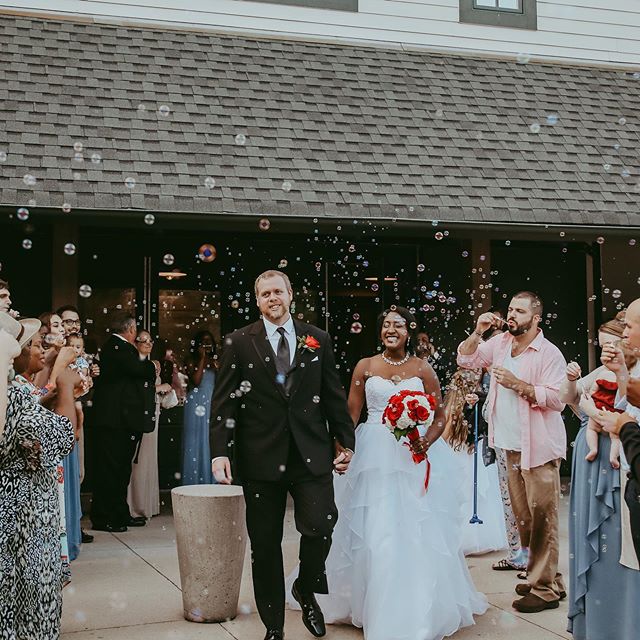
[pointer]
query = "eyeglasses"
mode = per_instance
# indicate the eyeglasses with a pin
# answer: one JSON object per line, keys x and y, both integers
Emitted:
{"x": 144, "y": 341}
{"x": 71, "y": 322}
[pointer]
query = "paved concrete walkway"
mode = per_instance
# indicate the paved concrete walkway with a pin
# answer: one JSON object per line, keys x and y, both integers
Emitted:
{"x": 127, "y": 586}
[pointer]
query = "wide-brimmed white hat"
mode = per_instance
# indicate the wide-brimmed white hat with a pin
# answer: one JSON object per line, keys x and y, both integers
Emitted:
{"x": 22, "y": 330}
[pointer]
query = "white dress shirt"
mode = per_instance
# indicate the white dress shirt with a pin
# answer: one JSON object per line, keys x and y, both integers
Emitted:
{"x": 274, "y": 337}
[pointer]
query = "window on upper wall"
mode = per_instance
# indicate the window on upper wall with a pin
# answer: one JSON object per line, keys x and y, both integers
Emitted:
{"x": 518, "y": 14}
{"x": 340, "y": 5}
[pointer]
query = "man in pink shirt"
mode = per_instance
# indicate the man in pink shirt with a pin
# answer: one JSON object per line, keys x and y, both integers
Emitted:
{"x": 525, "y": 420}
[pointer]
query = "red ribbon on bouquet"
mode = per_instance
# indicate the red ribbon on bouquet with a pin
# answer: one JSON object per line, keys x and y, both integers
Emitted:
{"x": 414, "y": 435}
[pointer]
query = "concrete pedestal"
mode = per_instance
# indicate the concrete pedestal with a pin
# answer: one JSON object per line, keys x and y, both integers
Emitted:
{"x": 211, "y": 538}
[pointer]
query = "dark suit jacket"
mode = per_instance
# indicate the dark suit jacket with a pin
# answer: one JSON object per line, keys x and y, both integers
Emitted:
{"x": 311, "y": 408}
{"x": 124, "y": 394}
{"x": 630, "y": 437}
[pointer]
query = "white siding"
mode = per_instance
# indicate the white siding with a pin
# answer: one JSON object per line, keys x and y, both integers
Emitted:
{"x": 589, "y": 31}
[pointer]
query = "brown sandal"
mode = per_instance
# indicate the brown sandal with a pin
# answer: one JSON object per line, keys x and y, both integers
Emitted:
{"x": 504, "y": 565}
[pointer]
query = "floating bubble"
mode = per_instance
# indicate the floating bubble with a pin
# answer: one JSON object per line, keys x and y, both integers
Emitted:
{"x": 281, "y": 378}
{"x": 264, "y": 224}
{"x": 241, "y": 139}
{"x": 78, "y": 146}
{"x": 507, "y": 243}
{"x": 3, "y": 156}
{"x": 85, "y": 291}
{"x": 230, "y": 423}
{"x": 356, "y": 327}
{"x": 420, "y": 268}
{"x": 149, "y": 219}
{"x": 30, "y": 180}
{"x": 523, "y": 58}
{"x": 465, "y": 254}
{"x": 606, "y": 166}
{"x": 23, "y": 214}
{"x": 632, "y": 243}
{"x": 374, "y": 287}
{"x": 164, "y": 110}
{"x": 168, "y": 259}
{"x": 600, "y": 240}
{"x": 66, "y": 207}
{"x": 27, "y": 244}
{"x": 207, "y": 253}
{"x": 245, "y": 386}
{"x": 209, "y": 182}
{"x": 286, "y": 186}
{"x": 616, "y": 293}
{"x": 316, "y": 399}
{"x": 200, "y": 410}
{"x": 622, "y": 121}
{"x": 552, "y": 119}
{"x": 625, "y": 173}
{"x": 283, "y": 264}
{"x": 129, "y": 182}
{"x": 78, "y": 157}
{"x": 439, "y": 235}
{"x": 535, "y": 127}
{"x": 96, "y": 158}
{"x": 69, "y": 248}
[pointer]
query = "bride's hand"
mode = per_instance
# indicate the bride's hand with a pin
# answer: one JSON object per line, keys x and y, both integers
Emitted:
{"x": 420, "y": 446}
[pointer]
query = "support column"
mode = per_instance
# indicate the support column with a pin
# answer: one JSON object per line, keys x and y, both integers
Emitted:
{"x": 64, "y": 269}
{"x": 480, "y": 275}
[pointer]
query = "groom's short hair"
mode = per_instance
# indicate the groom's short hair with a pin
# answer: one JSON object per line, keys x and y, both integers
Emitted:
{"x": 272, "y": 273}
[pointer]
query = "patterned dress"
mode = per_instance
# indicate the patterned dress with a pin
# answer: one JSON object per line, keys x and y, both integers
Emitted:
{"x": 33, "y": 444}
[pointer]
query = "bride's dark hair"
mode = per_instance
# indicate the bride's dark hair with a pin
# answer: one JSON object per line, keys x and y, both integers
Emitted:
{"x": 412, "y": 326}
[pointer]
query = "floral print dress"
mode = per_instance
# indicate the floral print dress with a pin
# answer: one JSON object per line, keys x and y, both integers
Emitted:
{"x": 33, "y": 444}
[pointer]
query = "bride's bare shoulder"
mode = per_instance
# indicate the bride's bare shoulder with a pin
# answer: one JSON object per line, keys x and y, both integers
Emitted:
{"x": 363, "y": 368}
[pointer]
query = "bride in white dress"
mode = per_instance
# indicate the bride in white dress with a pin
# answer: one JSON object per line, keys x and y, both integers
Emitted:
{"x": 395, "y": 567}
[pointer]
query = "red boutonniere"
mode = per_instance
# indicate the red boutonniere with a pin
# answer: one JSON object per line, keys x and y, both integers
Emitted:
{"x": 308, "y": 343}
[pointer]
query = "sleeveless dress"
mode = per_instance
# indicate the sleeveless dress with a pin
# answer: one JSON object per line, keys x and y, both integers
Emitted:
{"x": 396, "y": 568}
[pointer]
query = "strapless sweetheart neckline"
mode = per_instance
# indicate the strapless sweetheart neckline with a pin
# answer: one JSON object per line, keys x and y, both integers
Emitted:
{"x": 391, "y": 381}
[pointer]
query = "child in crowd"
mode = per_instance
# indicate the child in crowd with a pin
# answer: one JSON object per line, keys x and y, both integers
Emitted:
{"x": 83, "y": 367}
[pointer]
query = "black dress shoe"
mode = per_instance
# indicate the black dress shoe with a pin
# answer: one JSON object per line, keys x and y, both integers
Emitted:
{"x": 137, "y": 522}
{"x": 274, "y": 634}
{"x": 311, "y": 612}
{"x": 110, "y": 528}
{"x": 87, "y": 538}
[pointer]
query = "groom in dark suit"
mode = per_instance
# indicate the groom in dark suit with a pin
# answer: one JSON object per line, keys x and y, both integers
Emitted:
{"x": 279, "y": 402}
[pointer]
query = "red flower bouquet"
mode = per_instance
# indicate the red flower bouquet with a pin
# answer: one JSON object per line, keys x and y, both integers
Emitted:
{"x": 409, "y": 414}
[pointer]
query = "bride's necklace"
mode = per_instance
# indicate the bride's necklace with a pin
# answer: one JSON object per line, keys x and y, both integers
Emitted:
{"x": 395, "y": 363}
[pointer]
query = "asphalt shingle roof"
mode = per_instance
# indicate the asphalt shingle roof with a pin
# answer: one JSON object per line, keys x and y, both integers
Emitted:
{"x": 353, "y": 131}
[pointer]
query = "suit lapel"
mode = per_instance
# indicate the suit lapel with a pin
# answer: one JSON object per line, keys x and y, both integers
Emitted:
{"x": 301, "y": 361}
{"x": 266, "y": 355}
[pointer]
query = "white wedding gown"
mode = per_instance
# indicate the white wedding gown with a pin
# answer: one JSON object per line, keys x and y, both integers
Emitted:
{"x": 395, "y": 567}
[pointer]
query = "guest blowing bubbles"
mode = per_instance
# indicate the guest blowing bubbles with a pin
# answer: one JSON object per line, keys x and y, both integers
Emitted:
{"x": 33, "y": 443}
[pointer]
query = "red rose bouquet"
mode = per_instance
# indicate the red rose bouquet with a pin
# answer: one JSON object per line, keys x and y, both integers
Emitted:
{"x": 409, "y": 414}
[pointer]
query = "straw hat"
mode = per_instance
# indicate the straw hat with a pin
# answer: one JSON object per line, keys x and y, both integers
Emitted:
{"x": 22, "y": 330}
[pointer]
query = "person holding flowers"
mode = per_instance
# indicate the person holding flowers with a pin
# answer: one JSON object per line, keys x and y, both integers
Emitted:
{"x": 395, "y": 568}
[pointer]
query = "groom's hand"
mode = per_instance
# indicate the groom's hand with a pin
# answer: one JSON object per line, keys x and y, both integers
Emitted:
{"x": 342, "y": 459}
{"x": 221, "y": 468}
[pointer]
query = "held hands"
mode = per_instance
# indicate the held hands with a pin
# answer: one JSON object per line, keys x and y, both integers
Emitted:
{"x": 612, "y": 422}
{"x": 573, "y": 371}
{"x": 221, "y": 468}
{"x": 342, "y": 459}
{"x": 94, "y": 370}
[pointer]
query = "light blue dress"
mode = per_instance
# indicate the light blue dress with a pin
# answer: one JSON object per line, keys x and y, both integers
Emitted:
{"x": 72, "y": 505}
{"x": 604, "y": 596}
{"x": 196, "y": 455}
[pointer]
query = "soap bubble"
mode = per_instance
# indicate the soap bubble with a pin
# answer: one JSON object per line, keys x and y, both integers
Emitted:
{"x": 523, "y": 58}
{"x": 96, "y": 158}
{"x": 129, "y": 182}
{"x": 27, "y": 244}
{"x": 356, "y": 327}
{"x": 241, "y": 139}
{"x": 421, "y": 268}
{"x": 622, "y": 121}
{"x": 164, "y": 110}
{"x": 616, "y": 293}
{"x": 149, "y": 219}
{"x": 69, "y": 248}
{"x": 600, "y": 240}
{"x": 207, "y": 253}
{"x": 200, "y": 410}
{"x": 209, "y": 182}
{"x": 3, "y": 156}
{"x": 286, "y": 186}
{"x": 316, "y": 399}
{"x": 29, "y": 180}
{"x": 230, "y": 423}
{"x": 535, "y": 127}
{"x": 439, "y": 235}
{"x": 283, "y": 264}
{"x": 23, "y": 214}
{"x": 85, "y": 291}
{"x": 78, "y": 146}
{"x": 66, "y": 207}
{"x": 552, "y": 119}
{"x": 507, "y": 243}
{"x": 245, "y": 386}
{"x": 264, "y": 224}
{"x": 168, "y": 259}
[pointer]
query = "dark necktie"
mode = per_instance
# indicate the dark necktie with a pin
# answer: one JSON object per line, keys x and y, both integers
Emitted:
{"x": 283, "y": 357}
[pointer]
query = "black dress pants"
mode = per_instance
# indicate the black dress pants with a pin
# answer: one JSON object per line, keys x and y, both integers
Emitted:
{"x": 315, "y": 516}
{"x": 113, "y": 452}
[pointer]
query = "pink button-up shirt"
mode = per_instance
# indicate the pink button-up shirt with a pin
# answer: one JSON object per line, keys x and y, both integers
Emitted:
{"x": 543, "y": 435}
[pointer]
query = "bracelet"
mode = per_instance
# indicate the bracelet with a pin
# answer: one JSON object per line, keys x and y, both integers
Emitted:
{"x": 478, "y": 334}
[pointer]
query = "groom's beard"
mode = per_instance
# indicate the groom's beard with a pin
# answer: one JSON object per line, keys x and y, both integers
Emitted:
{"x": 521, "y": 329}
{"x": 273, "y": 316}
